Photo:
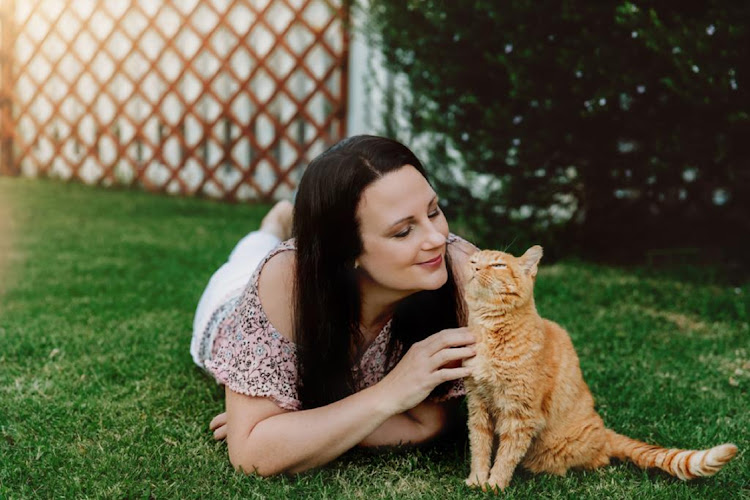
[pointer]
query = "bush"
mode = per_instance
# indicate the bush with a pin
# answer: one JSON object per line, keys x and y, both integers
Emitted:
{"x": 608, "y": 128}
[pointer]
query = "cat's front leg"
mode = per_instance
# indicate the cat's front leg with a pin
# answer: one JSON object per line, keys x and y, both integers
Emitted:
{"x": 515, "y": 438}
{"x": 481, "y": 435}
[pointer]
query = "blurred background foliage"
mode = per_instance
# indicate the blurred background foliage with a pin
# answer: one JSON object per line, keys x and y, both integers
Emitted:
{"x": 612, "y": 130}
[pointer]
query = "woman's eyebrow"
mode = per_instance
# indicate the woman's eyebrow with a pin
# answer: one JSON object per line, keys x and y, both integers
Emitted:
{"x": 411, "y": 217}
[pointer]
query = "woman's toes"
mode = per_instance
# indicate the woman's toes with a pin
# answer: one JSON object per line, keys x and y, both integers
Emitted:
{"x": 278, "y": 220}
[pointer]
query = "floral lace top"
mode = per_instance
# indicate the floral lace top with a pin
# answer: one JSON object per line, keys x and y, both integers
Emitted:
{"x": 252, "y": 358}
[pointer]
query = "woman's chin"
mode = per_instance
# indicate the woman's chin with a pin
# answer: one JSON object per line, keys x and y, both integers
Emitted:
{"x": 436, "y": 281}
{"x": 419, "y": 283}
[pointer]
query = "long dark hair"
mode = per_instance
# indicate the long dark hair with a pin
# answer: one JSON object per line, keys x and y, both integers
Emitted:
{"x": 327, "y": 300}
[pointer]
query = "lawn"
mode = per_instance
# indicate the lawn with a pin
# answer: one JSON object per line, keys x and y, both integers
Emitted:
{"x": 99, "y": 396}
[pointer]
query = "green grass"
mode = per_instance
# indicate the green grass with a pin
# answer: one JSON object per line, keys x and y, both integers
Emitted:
{"x": 99, "y": 396}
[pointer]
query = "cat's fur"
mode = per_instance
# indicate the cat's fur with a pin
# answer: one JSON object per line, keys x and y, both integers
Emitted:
{"x": 527, "y": 388}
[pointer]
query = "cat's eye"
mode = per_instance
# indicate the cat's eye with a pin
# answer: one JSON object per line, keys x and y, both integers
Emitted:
{"x": 499, "y": 265}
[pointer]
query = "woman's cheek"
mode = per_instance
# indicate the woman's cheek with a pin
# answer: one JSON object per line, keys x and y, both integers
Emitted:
{"x": 442, "y": 225}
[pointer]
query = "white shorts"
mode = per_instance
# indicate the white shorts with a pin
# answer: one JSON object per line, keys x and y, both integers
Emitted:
{"x": 224, "y": 290}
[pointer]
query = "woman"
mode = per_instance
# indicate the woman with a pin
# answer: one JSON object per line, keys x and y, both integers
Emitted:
{"x": 312, "y": 351}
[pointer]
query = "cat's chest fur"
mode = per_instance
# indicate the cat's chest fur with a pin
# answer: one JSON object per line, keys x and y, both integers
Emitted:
{"x": 501, "y": 368}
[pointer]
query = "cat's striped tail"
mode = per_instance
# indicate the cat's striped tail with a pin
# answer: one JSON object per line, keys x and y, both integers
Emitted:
{"x": 685, "y": 464}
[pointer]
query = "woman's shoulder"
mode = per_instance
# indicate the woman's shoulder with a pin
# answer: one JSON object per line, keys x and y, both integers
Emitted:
{"x": 275, "y": 288}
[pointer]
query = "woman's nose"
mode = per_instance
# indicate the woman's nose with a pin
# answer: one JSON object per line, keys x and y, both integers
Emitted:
{"x": 436, "y": 238}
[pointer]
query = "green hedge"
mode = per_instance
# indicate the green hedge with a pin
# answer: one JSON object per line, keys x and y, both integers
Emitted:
{"x": 608, "y": 128}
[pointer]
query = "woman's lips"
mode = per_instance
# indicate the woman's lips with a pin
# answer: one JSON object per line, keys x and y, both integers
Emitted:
{"x": 433, "y": 262}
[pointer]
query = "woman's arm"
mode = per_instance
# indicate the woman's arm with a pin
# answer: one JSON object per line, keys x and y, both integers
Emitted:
{"x": 291, "y": 442}
{"x": 262, "y": 438}
{"x": 422, "y": 423}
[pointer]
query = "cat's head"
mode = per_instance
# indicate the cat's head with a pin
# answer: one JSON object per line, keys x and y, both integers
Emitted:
{"x": 500, "y": 281}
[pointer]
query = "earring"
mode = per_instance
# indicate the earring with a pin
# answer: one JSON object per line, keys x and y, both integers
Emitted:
{"x": 356, "y": 264}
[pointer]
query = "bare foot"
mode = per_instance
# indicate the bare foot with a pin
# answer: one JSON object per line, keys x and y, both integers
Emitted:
{"x": 278, "y": 220}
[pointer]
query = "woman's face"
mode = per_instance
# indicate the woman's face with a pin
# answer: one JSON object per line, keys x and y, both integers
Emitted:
{"x": 403, "y": 233}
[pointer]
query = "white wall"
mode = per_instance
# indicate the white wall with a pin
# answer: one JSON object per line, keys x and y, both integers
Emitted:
{"x": 367, "y": 78}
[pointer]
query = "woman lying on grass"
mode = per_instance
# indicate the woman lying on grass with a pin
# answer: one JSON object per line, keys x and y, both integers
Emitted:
{"x": 347, "y": 334}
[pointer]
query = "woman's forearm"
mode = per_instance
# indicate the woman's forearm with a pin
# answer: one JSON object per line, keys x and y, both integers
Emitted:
{"x": 397, "y": 430}
{"x": 296, "y": 441}
{"x": 418, "y": 425}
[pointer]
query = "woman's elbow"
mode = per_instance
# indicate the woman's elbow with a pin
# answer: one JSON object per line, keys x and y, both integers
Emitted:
{"x": 264, "y": 463}
{"x": 252, "y": 465}
{"x": 433, "y": 427}
{"x": 258, "y": 463}
{"x": 428, "y": 432}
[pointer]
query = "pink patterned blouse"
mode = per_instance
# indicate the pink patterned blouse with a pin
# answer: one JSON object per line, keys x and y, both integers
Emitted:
{"x": 252, "y": 358}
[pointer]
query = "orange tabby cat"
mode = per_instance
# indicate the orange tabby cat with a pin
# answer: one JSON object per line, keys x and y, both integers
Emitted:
{"x": 528, "y": 389}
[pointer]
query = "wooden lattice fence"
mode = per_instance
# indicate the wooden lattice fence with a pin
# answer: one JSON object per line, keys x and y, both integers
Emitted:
{"x": 227, "y": 98}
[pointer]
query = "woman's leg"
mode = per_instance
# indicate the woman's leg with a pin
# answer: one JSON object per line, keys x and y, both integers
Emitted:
{"x": 228, "y": 282}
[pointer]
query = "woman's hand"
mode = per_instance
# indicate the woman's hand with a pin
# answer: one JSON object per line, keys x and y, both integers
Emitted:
{"x": 426, "y": 365}
{"x": 219, "y": 426}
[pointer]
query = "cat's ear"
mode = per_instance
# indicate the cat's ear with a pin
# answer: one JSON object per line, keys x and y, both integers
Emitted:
{"x": 530, "y": 260}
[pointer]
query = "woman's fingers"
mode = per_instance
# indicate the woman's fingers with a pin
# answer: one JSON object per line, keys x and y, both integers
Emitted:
{"x": 219, "y": 426}
{"x": 447, "y": 374}
{"x": 218, "y": 421}
{"x": 220, "y": 432}
{"x": 454, "y": 337}
{"x": 427, "y": 364}
{"x": 454, "y": 354}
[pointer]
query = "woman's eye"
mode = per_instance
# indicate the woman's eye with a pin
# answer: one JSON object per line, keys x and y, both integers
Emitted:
{"x": 433, "y": 214}
{"x": 404, "y": 233}
{"x": 499, "y": 266}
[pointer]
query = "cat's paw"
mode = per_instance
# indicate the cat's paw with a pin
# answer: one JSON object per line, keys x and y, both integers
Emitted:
{"x": 475, "y": 481}
{"x": 472, "y": 482}
{"x": 497, "y": 484}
